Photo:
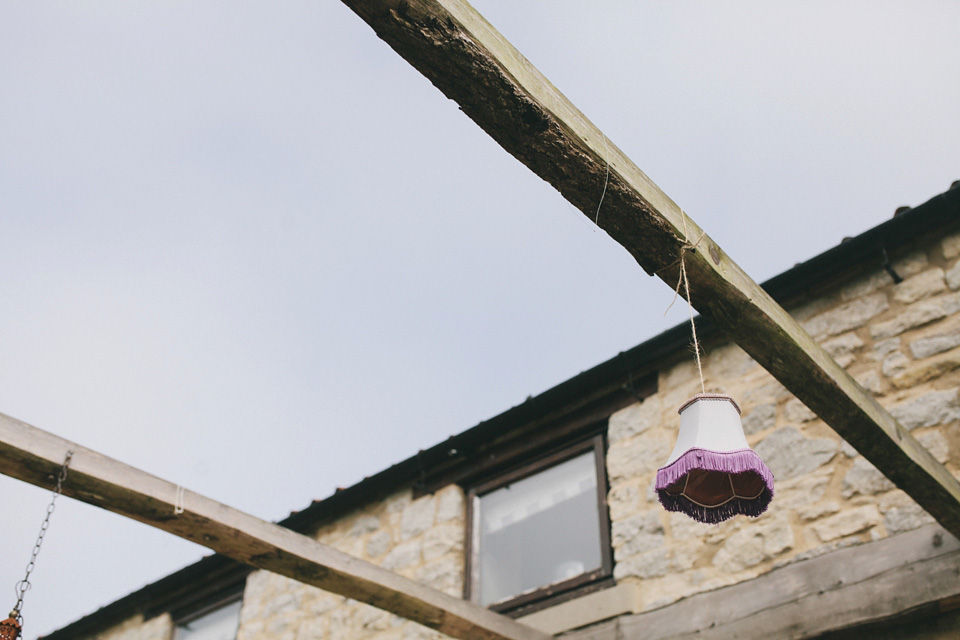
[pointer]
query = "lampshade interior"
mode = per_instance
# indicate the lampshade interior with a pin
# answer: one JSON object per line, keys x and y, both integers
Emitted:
{"x": 715, "y": 488}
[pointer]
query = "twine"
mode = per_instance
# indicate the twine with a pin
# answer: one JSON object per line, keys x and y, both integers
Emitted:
{"x": 606, "y": 153}
{"x": 685, "y": 281}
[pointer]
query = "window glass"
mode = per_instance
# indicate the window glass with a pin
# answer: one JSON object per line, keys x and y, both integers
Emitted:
{"x": 219, "y": 624}
{"x": 539, "y": 530}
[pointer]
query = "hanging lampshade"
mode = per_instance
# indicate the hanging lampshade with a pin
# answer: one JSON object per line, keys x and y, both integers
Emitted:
{"x": 10, "y": 628}
{"x": 712, "y": 474}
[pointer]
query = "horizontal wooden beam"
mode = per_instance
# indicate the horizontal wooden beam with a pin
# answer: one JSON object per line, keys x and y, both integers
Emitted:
{"x": 35, "y": 456}
{"x": 845, "y": 588}
{"x": 472, "y": 64}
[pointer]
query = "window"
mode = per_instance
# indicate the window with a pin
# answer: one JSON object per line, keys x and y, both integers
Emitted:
{"x": 540, "y": 533}
{"x": 220, "y": 623}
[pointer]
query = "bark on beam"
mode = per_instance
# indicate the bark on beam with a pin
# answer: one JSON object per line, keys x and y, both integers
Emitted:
{"x": 465, "y": 57}
{"x": 35, "y": 456}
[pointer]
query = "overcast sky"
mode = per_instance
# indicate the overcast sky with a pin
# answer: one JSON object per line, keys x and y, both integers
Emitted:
{"x": 246, "y": 247}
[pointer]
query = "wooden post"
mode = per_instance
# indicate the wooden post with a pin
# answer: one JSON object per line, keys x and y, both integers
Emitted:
{"x": 472, "y": 64}
{"x": 35, "y": 456}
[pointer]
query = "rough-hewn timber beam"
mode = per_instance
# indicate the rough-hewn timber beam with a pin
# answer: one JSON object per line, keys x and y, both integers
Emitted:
{"x": 33, "y": 455}
{"x": 465, "y": 57}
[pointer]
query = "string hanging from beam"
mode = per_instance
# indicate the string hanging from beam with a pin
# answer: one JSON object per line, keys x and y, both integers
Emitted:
{"x": 12, "y": 627}
{"x": 712, "y": 473}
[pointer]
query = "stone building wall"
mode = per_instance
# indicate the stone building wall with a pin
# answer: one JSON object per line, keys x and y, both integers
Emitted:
{"x": 419, "y": 539}
{"x": 901, "y": 342}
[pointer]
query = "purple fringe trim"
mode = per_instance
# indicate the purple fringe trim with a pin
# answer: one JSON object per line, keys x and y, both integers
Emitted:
{"x": 741, "y": 461}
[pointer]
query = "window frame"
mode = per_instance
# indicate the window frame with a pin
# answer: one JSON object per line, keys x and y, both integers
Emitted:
{"x": 557, "y": 592}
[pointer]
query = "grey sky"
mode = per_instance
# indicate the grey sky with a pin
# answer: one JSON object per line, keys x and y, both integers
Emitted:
{"x": 246, "y": 247}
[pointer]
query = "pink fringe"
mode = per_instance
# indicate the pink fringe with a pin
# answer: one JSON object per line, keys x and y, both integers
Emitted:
{"x": 741, "y": 461}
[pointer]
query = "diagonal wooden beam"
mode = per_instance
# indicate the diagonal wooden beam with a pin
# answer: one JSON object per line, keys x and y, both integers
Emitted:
{"x": 35, "y": 456}
{"x": 462, "y": 55}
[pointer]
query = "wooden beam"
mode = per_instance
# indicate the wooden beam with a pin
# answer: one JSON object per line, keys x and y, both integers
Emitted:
{"x": 472, "y": 64}
{"x": 845, "y": 588}
{"x": 35, "y": 456}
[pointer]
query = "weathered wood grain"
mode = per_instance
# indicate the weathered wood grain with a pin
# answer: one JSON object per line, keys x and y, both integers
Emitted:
{"x": 472, "y": 64}
{"x": 35, "y": 456}
{"x": 851, "y": 586}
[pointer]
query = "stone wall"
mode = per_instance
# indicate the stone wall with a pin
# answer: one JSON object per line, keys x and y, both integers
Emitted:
{"x": 419, "y": 539}
{"x": 899, "y": 341}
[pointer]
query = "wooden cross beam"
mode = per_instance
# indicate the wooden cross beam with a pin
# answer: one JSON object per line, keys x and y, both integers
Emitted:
{"x": 35, "y": 456}
{"x": 472, "y": 64}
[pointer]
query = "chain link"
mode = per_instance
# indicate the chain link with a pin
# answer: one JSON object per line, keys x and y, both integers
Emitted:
{"x": 24, "y": 585}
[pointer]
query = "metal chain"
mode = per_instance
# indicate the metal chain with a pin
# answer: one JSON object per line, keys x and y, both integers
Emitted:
{"x": 24, "y": 585}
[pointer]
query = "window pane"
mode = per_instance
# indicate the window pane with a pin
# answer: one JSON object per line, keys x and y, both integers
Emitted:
{"x": 220, "y": 624}
{"x": 539, "y": 530}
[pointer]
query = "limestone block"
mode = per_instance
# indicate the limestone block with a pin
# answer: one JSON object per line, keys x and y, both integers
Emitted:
{"x": 871, "y": 381}
{"x": 398, "y": 502}
{"x": 796, "y": 412}
{"x": 651, "y": 564}
{"x": 759, "y": 419}
{"x": 843, "y": 344}
{"x": 882, "y": 348}
{"x": 847, "y": 522}
{"x": 850, "y": 315}
{"x": 917, "y": 315}
{"x": 789, "y": 454}
{"x": 865, "y": 479}
{"x": 635, "y": 419}
{"x": 929, "y": 369}
{"x": 283, "y": 602}
{"x": 342, "y": 625}
{"x": 442, "y": 540}
{"x": 865, "y": 285}
{"x": 451, "y": 503}
{"x": 801, "y": 492}
{"x": 378, "y": 544}
{"x": 312, "y": 629}
{"x": 403, "y": 556}
{"x": 637, "y": 534}
{"x": 364, "y": 524}
{"x": 683, "y": 527}
{"x": 445, "y": 574}
{"x": 321, "y": 602}
{"x": 417, "y": 517}
{"x": 811, "y": 308}
{"x": 819, "y": 509}
{"x": 906, "y": 266}
{"x": 637, "y": 456}
{"x": 928, "y": 410}
{"x": 923, "y": 285}
{"x": 936, "y": 443}
{"x": 679, "y": 383}
{"x": 905, "y": 517}
{"x": 729, "y": 362}
{"x": 953, "y": 276}
{"x": 951, "y": 246}
{"x": 894, "y": 364}
{"x": 753, "y": 545}
{"x": 768, "y": 393}
{"x": 910, "y": 264}
{"x": 624, "y": 500}
{"x": 945, "y": 336}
